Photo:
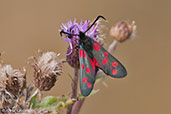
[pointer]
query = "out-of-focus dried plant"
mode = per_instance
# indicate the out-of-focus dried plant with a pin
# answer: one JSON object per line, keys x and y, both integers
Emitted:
{"x": 11, "y": 79}
{"x": 16, "y": 96}
{"x": 12, "y": 83}
{"x": 46, "y": 69}
{"x": 121, "y": 31}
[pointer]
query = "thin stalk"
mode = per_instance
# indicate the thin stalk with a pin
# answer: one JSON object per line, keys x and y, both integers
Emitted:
{"x": 74, "y": 88}
{"x": 77, "y": 106}
{"x": 112, "y": 46}
{"x": 35, "y": 93}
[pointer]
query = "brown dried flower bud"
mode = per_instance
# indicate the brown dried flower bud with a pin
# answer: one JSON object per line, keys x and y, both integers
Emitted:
{"x": 11, "y": 80}
{"x": 46, "y": 69}
{"x": 123, "y": 31}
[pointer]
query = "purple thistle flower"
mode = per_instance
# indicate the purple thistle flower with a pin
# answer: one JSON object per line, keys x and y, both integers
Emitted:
{"x": 74, "y": 28}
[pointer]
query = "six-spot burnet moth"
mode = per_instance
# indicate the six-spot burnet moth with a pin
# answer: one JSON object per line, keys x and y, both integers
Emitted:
{"x": 92, "y": 57}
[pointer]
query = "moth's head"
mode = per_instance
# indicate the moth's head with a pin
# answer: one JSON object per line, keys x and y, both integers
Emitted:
{"x": 81, "y": 34}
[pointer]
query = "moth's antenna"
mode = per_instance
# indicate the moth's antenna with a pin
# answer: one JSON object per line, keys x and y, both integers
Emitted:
{"x": 63, "y": 32}
{"x": 70, "y": 35}
{"x": 95, "y": 22}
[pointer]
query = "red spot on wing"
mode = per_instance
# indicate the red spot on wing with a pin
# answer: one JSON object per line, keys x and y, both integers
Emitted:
{"x": 84, "y": 80}
{"x": 114, "y": 64}
{"x": 114, "y": 71}
{"x": 96, "y": 48}
{"x": 88, "y": 70}
{"x": 92, "y": 65}
{"x": 104, "y": 61}
{"x": 96, "y": 63}
{"x": 106, "y": 54}
{"x": 97, "y": 44}
{"x": 80, "y": 53}
{"x": 84, "y": 54}
{"x": 89, "y": 85}
{"x": 82, "y": 66}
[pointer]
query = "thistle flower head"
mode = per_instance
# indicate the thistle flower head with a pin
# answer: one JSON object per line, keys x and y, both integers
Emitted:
{"x": 74, "y": 28}
{"x": 123, "y": 31}
{"x": 46, "y": 69}
{"x": 11, "y": 80}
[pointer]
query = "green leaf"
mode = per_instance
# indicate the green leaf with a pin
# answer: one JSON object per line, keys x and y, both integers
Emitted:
{"x": 33, "y": 101}
{"x": 51, "y": 107}
{"x": 60, "y": 104}
{"x": 62, "y": 99}
{"x": 47, "y": 101}
{"x": 81, "y": 97}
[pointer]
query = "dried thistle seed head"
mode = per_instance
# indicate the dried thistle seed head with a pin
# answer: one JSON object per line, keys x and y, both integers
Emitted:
{"x": 123, "y": 31}
{"x": 11, "y": 80}
{"x": 46, "y": 69}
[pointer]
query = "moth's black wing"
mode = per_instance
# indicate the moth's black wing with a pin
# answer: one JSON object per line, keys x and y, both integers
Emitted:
{"x": 87, "y": 72}
{"x": 105, "y": 61}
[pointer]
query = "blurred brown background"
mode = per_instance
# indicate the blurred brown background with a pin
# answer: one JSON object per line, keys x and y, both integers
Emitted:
{"x": 28, "y": 25}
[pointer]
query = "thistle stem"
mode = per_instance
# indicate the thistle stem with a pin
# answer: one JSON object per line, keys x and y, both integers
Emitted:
{"x": 112, "y": 46}
{"x": 77, "y": 106}
{"x": 75, "y": 83}
{"x": 35, "y": 93}
{"x": 74, "y": 88}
